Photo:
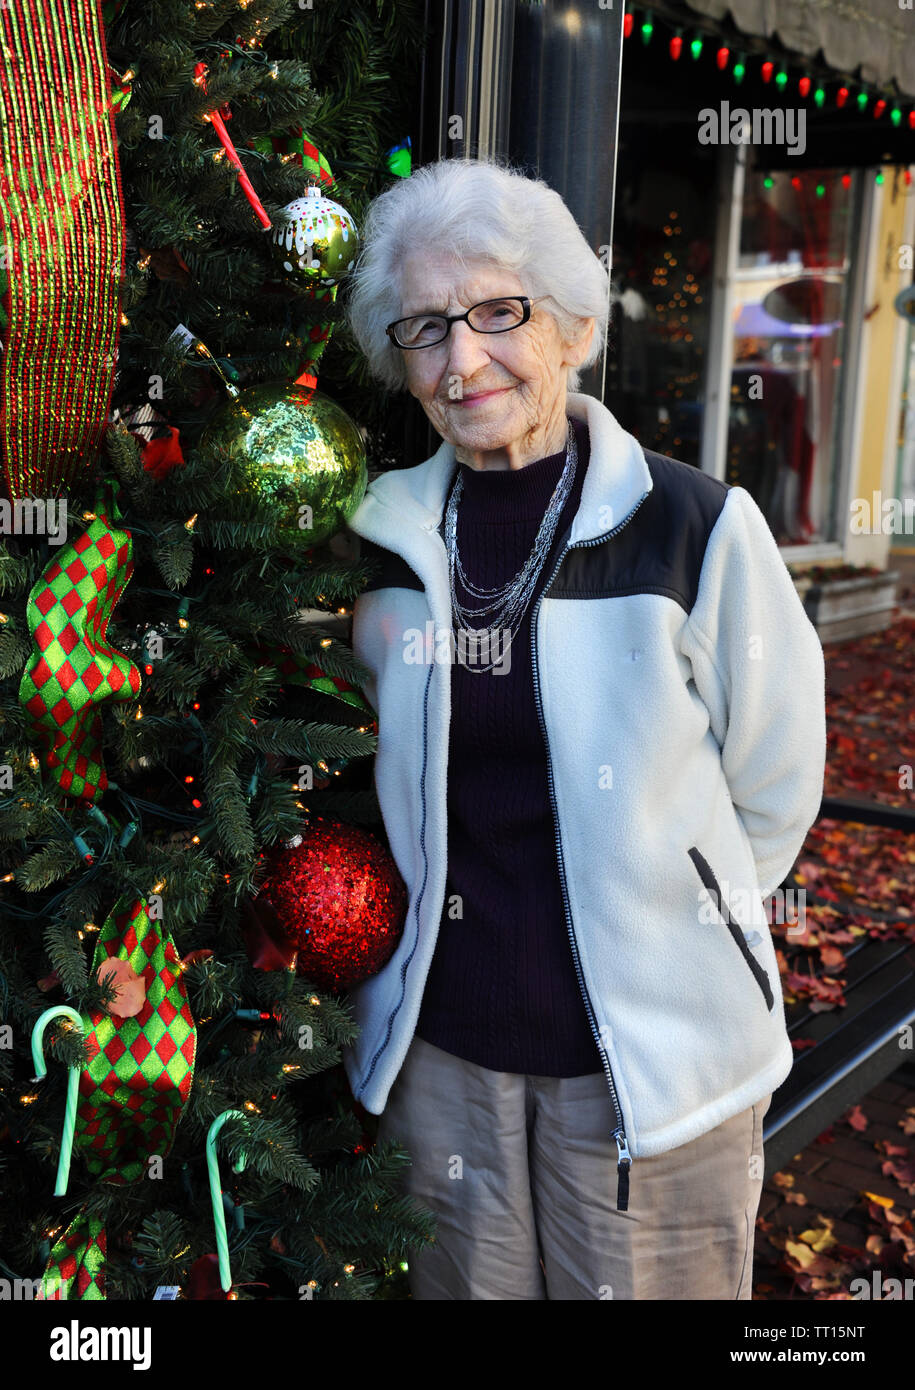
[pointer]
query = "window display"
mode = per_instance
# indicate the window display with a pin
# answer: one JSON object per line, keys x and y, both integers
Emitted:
{"x": 788, "y": 344}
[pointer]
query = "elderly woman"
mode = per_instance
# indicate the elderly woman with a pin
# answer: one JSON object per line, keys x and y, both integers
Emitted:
{"x": 601, "y": 740}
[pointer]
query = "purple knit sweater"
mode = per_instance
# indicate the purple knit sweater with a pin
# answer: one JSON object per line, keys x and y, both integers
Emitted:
{"x": 502, "y": 990}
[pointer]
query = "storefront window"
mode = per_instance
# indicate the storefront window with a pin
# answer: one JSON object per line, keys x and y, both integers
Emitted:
{"x": 789, "y": 315}
{"x": 662, "y": 266}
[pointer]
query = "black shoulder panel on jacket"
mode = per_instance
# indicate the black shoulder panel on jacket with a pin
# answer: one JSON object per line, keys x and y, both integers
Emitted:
{"x": 660, "y": 550}
{"x": 393, "y": 570}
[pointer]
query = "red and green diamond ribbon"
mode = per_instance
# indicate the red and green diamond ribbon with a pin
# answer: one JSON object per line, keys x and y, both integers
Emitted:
{"x": 134, "y": 1089}
{"x": 295, "y": 142}
{"x": 139, "y": 1078}
{"x": 77, "y": 1263}
{"x": 300, "y": 670}
{"x": 73, "y": 668}
{"x": 62, "y": 228}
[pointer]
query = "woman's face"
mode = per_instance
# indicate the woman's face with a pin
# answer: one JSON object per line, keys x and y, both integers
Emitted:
{"x": 525, "y": 418}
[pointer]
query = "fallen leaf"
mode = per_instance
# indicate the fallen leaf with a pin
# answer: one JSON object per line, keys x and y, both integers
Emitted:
{"x": 783, "y": 1179}
{"x": 856, "y": 1118}
{"x": 819, "y": 1239}
{"x": 904, "y": 1173}
{"x": 802, "y": 1254}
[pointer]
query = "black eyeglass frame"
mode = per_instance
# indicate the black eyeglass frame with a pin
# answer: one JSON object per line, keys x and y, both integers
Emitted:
{"x": 522, "y": 299}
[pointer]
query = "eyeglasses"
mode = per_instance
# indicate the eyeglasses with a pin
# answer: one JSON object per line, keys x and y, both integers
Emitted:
{"x": 490, "y": 316}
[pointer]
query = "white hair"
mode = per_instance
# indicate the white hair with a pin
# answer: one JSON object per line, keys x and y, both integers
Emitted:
{"x": 481, "y": 212}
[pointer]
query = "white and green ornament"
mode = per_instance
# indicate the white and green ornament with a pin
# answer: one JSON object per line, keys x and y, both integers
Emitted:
{"x": 317, "y": 239}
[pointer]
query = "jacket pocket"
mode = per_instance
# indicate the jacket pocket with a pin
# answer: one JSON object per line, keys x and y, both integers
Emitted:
{"x": 705, "y": 873}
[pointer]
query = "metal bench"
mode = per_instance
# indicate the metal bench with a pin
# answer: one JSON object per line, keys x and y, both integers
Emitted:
{"x": 855, "y": 1047}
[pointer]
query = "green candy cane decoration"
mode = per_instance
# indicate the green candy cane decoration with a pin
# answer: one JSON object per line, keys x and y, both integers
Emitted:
{"x": 41, "y": 1070}
{"x": 219, "y": 1215}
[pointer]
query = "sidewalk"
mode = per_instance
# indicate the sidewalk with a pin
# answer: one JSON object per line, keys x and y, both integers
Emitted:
{"x": 844, "y": 1208}
{"x": 836, "y": 1212}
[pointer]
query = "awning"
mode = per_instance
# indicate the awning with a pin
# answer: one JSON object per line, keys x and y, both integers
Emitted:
{"x": 872, "y": 39}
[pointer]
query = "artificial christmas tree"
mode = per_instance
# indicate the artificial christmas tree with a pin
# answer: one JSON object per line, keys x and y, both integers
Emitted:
{"x": 177, "y": 695}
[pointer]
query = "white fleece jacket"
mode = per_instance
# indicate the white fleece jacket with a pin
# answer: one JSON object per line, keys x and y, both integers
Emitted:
{"x": 681, "y": 688}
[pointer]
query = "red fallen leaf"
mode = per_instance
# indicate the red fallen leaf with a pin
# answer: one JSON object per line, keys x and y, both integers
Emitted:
{"x": 852, "y": 1253}
{"x": 827, "y": 1137}
{"x": 831, "y": 957}
{"x": 831, "y": 990}
{"x": 891, "y": 1150}
{"x": 904, "y": 1173}
{"x": 800, "y": 1043}
{"x": 856, "y": 1118}
{"x": 796, "y": 1199}
{"x": 798, "y": 937}
{"x": 800, "y": 984}
{"x": 839, "y": 936}
{"x": 809, "y": 1286}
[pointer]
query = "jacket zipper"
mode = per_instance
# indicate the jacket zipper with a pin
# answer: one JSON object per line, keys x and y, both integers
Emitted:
{"x": 624, "y": 1158}
{"x": 422, "y": 840}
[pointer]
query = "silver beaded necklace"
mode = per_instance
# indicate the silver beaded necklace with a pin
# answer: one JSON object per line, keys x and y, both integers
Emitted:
{"x": 508, "y": 602}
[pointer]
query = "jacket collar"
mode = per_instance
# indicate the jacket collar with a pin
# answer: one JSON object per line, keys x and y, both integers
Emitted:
{"x": 402, "y": 509}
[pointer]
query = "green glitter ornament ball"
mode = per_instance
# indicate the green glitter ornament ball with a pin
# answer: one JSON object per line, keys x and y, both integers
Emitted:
{"x": 299, "y": 453}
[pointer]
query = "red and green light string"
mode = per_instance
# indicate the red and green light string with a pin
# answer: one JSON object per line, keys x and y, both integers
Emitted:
{"x": 805, "y": 86}
{"x": 798, "y": 183}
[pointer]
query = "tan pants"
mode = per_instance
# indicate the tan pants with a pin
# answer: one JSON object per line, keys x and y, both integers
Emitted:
{"x": 520, "y": 1172}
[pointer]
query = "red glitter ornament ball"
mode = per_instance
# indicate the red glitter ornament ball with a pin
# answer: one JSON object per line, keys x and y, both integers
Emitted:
{"x": 340, "y": 899}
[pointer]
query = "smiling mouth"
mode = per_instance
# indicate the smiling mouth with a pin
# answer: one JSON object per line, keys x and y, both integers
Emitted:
{"x": 482, "y": 395}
